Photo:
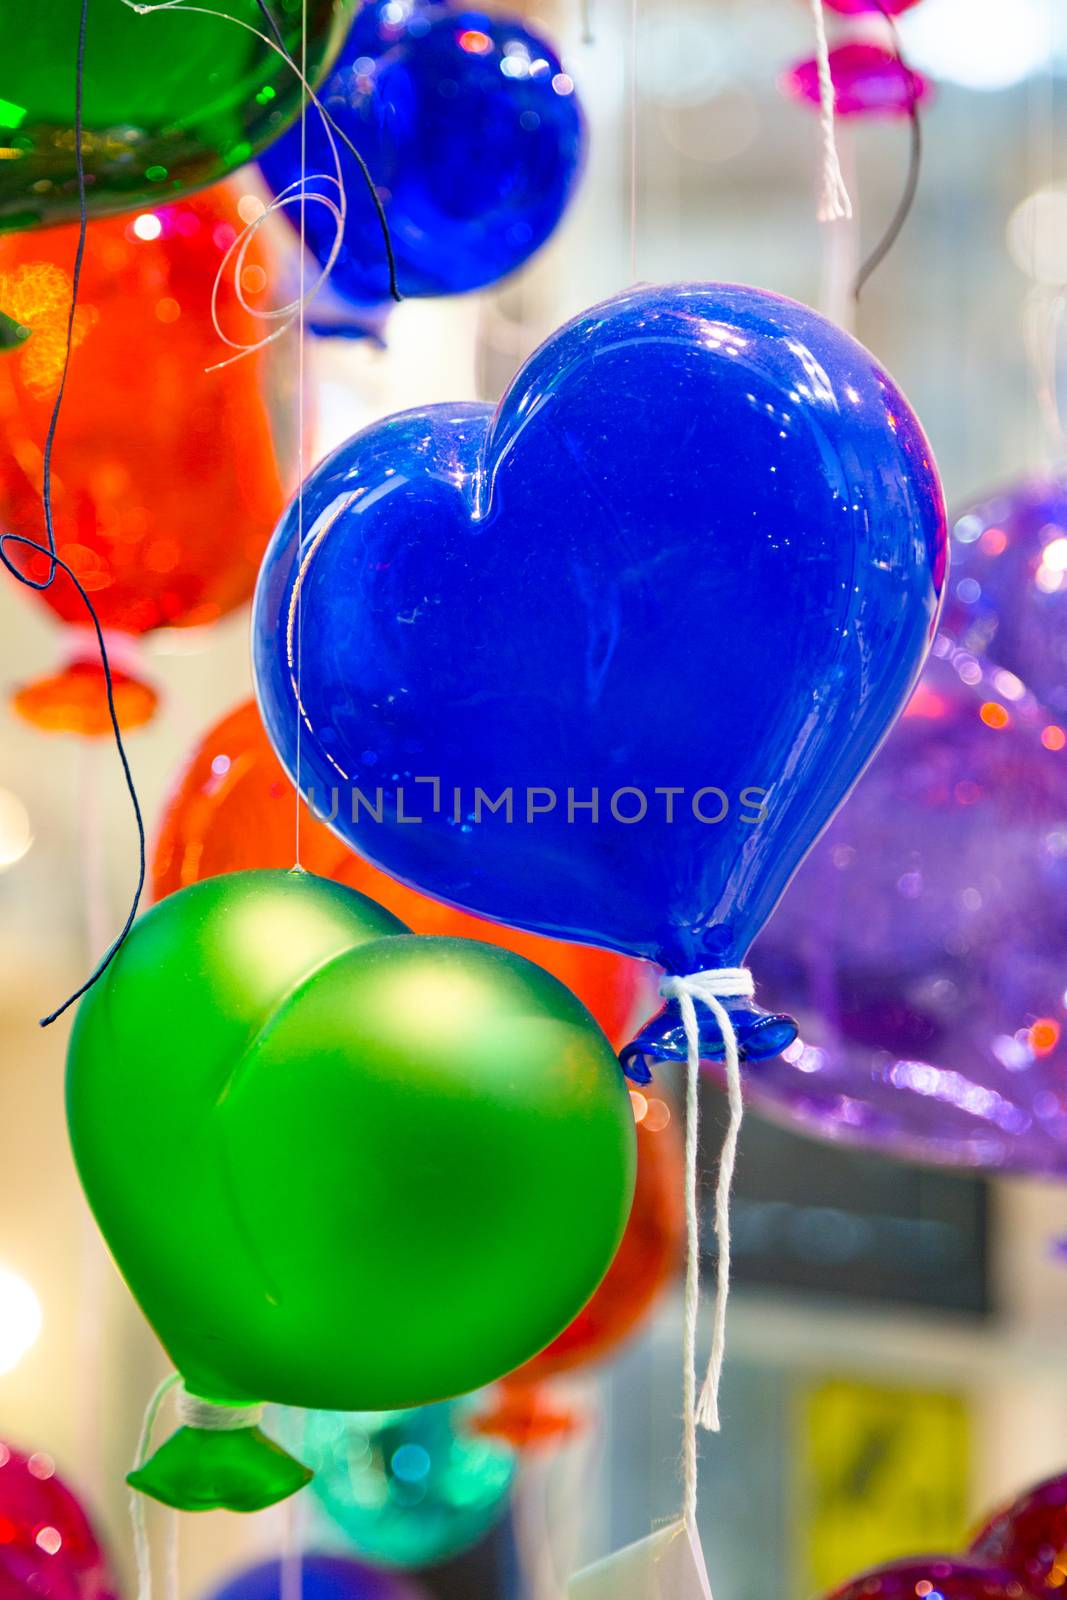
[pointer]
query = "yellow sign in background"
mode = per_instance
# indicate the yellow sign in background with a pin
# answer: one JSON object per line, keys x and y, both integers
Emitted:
{"x": 879, "y": 1472}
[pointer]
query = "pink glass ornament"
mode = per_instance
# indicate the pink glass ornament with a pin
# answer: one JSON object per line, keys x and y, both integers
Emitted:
{"x": 869, "y": 81}
{"x": 933, "y": 1578}
{"x": 48, "y": 1550}
{"x": 1029, "y": 1538}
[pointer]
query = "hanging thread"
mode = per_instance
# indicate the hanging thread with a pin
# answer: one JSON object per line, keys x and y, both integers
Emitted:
{"x": 710, "y": 989}
{"x": 48, "y": 549}
{"x": 915, "y": 161}
{"x": 834, "y": 202}
{"x": 192, "y": 1413}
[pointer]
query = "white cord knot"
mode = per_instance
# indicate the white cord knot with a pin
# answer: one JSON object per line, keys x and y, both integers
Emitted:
{"x": 711, "y": 988}
{"x": 193, "y": 1412}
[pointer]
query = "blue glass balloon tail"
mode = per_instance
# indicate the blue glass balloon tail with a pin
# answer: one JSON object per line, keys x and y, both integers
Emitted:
{"x": 760, "y": 1036}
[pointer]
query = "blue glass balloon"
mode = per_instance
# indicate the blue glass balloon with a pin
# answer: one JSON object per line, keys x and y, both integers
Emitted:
{"x": 322, "y": 1577}
{"x": 688, "y": 569}
{"x": 408, "y": 1488}
{"x": 472, "y": 133}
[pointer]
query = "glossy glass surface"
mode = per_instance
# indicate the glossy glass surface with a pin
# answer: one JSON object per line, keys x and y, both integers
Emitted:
{"x": 48, "y": 1547}
{"x": 1007, "y": 600}
{"x": 921, "y": 944}
{"x": 869, "y": 81}
{"x": 472, "y": 133}
{"x": 692, "y": 564}
{"x": 407, "y": 1488}
{"x": 233, "y": 808}
{"x": 318, "y": 1146}
{"x": 173, "y": 100}
{"x": 935, "y": 1578}
{"x": 1029, "y": 1538}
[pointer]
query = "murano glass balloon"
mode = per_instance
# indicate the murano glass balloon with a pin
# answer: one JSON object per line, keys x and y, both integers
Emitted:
{"x": 151, "y": 442}
{"x": 937, "y": 1578}
{"x": 175, "y": 97}
{"x": 1007, "y": 597}
{"x": 623, "y": 644}
{"x": 472, "y": 133}
{"x": 408, "y": 1488}
{"x": 48, "y": 1549}
{"x": 922, "y": 942}
{"x": 340, "y": 1166}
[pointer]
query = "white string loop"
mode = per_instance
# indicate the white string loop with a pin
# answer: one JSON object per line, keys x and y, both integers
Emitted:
{"x": 296, "y": 192}
{"x": 710, "y": 988}
{"x": 834, "y": 202}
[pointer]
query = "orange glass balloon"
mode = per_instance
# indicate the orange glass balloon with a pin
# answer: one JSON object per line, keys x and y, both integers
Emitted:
{"x": 234, "y": 808}
{"x": 167, "y": 478}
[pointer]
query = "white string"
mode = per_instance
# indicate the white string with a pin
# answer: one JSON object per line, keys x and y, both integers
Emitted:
{"x": 192, "y": 1413}
{"x": 142, "y": 1554}
{"x": 294, "y": 193}
{"x": 710, "y": 988}
{"x": 834, "y": 202}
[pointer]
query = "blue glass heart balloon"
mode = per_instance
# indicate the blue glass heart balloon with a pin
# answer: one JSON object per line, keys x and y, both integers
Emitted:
{"x": 603, "y": 663}
{"x": 472, "y": 133}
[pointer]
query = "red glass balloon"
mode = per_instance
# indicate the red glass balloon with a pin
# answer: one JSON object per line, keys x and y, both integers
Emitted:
{"x": 933, "y": 1578}
{"x": 1029, "y": 1537}
{"x": 869, "y": 81}
{"x": 234, "y": 808}
{"x": 48, "y": 1550}
{"x": 167, "y": 477}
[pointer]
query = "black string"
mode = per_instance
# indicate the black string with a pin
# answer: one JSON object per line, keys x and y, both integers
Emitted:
{"x": 49, "y": 549}
{"x": 376, "y": 199}
{"x": 915, "y": 160}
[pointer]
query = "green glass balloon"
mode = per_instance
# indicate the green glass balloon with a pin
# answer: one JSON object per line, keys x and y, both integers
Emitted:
{"x": 173, "y": 98}
{"x": 340, "y": 1166}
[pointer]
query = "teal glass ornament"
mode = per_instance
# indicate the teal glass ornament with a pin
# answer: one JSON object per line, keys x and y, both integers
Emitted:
{"x": 408, "y": 1488}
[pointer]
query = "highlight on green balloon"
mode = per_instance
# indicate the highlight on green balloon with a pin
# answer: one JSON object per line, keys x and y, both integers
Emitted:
{"x": 341, "y": 1167}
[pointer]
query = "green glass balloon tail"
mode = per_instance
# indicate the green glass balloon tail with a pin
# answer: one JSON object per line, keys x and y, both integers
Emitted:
{"x": 217, "y": 1460}
{"x": 12, "y": 333}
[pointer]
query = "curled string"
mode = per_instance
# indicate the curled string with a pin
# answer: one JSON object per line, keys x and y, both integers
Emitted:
{"x": 48, "y": 549}
{"x": 296, "y": 192}
{"x": 915, "y": 162}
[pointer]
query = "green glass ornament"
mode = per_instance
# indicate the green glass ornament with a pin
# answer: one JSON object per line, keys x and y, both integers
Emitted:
{"x": 173, "y": 98}
{"x": 339, "y": 1166}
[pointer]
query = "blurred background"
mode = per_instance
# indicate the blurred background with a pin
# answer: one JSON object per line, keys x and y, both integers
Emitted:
{"x": 896, "y": 1336}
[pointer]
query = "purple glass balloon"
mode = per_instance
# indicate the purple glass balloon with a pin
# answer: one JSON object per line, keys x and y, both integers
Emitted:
{"x": 933, "y": 1578}
{"x": 1006, "y": 598}
{"x": 48, "y": 1550}
{"x": 923, "y": 945}
{"x": 869, "y": 81}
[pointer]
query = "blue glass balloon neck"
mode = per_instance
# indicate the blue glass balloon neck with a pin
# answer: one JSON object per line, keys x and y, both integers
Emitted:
{"x": 760, "y": 1036}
